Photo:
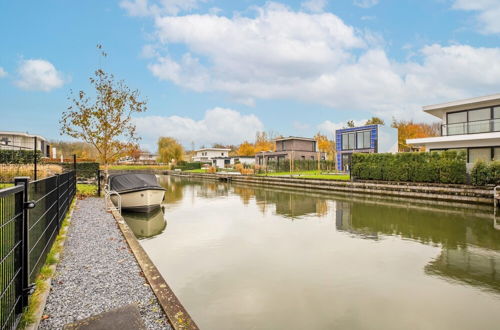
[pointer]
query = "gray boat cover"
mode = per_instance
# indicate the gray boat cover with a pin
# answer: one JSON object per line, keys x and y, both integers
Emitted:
{"x": 131, "y": 182}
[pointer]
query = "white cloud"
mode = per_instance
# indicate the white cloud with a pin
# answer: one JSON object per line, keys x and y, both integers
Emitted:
{"x": 219, "y": 125}
{"x": 316, "y": 58}
{"x": 314, "y": 6}
{"x": 39, "y": 75}
{"x": 158, "y": 7}
{"x": 3, "y": 73}
{"x": 488, "y": 13}
{"x": 366, "y": 3}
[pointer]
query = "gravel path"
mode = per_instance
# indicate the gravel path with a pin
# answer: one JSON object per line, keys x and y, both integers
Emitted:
{"x": 97, "y": 272}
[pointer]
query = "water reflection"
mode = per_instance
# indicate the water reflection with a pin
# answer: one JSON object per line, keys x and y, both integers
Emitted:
{"x": 146, "y": 225}
{"x": 345, "y": 261}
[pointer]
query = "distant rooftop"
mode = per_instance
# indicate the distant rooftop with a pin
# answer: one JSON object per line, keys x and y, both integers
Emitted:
{"x": 294, "y": 138}
{"x": 213, "y": 149}
{"x": 25, "y": 134}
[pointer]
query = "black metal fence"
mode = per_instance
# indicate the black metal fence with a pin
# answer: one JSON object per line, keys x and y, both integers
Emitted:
{"x": 31, "y": 214}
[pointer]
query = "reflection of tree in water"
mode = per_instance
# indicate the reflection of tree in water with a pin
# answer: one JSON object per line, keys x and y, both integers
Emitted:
{"x": 245, "y": 193}
{"x": 174, "y": 188}
{"x": 470, "y": 245}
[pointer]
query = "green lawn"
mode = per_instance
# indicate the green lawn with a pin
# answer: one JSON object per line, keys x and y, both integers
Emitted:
{"x": 86, "y": 189}
{"x": 200, "y": 170}
{"x": 5, "y": 185}
{"x": 310, "y": 175}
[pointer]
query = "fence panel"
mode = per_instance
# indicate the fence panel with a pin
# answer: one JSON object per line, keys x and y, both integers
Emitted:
{"x": 27, "y": 237}
{"x": 11, "y": 230}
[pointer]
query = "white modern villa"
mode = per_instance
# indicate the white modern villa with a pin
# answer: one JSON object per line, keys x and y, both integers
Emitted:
{"x": 24, "y": 141}
{"x": 206, "y": 155}
{"x": 471, "y": 125}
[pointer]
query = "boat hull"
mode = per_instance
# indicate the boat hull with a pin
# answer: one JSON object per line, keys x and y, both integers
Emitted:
{"x": 140, "y": 201}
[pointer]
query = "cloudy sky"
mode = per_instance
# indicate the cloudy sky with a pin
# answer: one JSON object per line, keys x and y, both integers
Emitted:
{"x": 217, "y": 71}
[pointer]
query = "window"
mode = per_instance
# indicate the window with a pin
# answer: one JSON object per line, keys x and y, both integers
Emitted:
{"x": 222, "y": 154}
{"x": 351, "y": 141}
{"x": 345, "y": 142}
{"x": 457, "y": 123}
{"x": 479, "y": 154}
{"x": 479, "y": 120}
{"x": 363, "y": 140}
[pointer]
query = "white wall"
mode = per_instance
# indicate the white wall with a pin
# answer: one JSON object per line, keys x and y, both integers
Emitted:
{"x": 387, "y": 139}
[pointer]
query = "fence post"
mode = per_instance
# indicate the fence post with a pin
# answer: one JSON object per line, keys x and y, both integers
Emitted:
{"x": 25, "y": 247}
{"x": 57, "y": 203}
{"x": 35, "y": 159}
{"x": 99, "y": 183}
{"x": 74, "y": 162}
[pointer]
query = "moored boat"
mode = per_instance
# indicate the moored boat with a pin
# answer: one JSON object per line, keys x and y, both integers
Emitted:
{"x": 138, "y": 192}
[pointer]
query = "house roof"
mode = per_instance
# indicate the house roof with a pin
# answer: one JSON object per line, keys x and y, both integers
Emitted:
{"x": 295, "y": 138}
{"x": 24, "y": 134}
{"x": 476, "y": 102}
{"x": 213, "y": 149}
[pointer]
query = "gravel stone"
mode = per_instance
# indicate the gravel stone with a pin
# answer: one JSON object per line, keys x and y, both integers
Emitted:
{"x": 98, "y": 272}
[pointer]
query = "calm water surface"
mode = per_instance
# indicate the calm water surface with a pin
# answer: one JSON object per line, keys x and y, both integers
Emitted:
{"x": 248, "y": 257}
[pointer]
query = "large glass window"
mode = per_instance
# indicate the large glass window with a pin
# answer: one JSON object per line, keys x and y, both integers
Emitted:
{"x": 457, "y": 123}
{"x": 351, "y": 141}
{"x": 496, "y": 153}
{"x": 363, "y": 140}
{"x": 479, "y": 120}
{"x": 348, "y": 141}
{"x": 479, "y": 154}
{"x": 496, "y": 120}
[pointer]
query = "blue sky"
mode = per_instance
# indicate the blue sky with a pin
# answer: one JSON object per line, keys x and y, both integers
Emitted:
{"x": 217, "y": 71}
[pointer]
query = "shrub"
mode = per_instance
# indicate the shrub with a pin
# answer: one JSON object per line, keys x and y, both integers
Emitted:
{"x": 85, "y": 170}
{"x": 185, "y": 166}
{"x": 442, "y": 167}
{"x": 485, "y": 173}
{"x": 212, "y": 170}
{"x": 19, "y": 156}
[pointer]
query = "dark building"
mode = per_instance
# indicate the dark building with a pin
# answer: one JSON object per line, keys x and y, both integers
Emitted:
{"x": 295, "y": 148}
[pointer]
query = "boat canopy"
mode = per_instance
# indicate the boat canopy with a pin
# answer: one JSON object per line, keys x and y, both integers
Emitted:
{"x": 133, "y": 182}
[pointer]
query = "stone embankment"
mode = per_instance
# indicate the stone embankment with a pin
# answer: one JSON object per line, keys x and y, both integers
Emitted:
{"x": 441, "y": 192}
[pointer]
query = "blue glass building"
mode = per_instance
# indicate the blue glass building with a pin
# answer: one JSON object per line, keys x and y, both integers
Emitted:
{"x": 368, "y": 139}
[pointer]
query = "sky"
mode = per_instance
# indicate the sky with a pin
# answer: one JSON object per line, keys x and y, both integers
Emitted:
{"x": 217, "y": 71}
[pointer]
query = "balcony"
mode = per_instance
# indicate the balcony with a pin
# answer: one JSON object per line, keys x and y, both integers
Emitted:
{"x": 471, "y": 127}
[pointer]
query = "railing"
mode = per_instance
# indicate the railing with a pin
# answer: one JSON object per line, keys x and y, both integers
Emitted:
{"x": 31, "y": 214}
{"x": 471, "y": 127}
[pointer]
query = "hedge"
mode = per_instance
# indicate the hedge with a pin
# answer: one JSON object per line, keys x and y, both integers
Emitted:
{"x": 486, "y": 173}
{"x": 85, "y": 170}
{"x": 185, "y": 166}
{"x": 435, "y": 167}
{"x": 19, "y": 156}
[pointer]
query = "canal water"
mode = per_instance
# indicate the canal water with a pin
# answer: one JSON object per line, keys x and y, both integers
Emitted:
{"x": 253, "y": 257}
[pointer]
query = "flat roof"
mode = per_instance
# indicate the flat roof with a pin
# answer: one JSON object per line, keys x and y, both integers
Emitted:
{"x": 213, "y": 149}
{"x": 470, "y": 103}
{"x": 295, "y": 138}
{"x": 25, "y": 134}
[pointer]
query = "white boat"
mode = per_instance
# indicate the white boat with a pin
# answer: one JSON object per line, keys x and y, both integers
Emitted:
{"x": 138, "y": 192}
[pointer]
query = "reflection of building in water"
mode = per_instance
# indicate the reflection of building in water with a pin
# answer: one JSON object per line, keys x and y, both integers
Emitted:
{"x": 146, "y": 224}
{"x": 344, "y": 221}
{"x": 473, "y": 266}
{"x": 211, "y": 189}
{"x": 290, "y": 204}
